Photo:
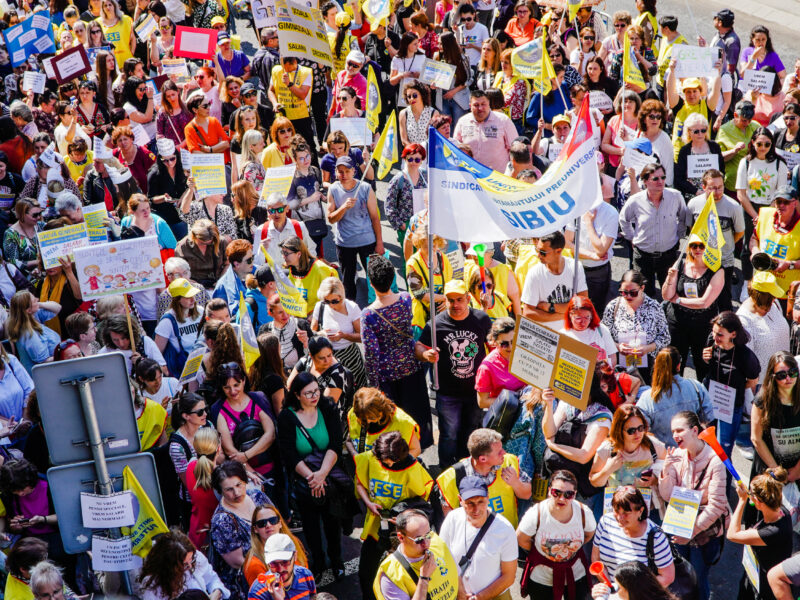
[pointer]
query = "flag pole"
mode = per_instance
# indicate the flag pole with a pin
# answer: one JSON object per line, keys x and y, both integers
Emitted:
{"x": 577, "y": 253}
{"x": 431, "y": 259}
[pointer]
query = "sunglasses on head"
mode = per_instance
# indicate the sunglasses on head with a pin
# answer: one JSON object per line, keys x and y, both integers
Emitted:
{"x": 633, "y": 430}
{"x": 566, "y": 494}
{"x": 276, "y": 211}
{"x": 790, "y": 373}
{"x": 261, "y": 523}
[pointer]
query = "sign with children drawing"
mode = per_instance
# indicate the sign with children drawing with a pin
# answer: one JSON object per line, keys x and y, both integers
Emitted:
{"x": 119, "y": 267}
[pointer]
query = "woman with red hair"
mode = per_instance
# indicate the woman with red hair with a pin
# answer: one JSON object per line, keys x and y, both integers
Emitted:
{"x": 406, "y": 190}
{"x": 582, "y": 322}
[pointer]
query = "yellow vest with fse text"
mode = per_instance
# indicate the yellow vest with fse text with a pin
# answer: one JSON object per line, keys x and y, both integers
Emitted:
{"x": 293, "y": 107}
{"x": 400, "y": 421}
{"x": 501, "y": 495}
{"x": 419, "y": 312}
{"x": 444, "y": 579}
{"x": 387, "y": 487}
{"x": 782, "y": 246}
{"x": 309, "y": 284}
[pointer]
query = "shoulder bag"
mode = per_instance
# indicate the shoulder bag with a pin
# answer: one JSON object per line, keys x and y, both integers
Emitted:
{"x": 684, "y": 586}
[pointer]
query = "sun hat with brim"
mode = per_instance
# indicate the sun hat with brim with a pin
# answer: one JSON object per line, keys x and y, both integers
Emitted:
{"x": 375, "y": 24}
{"x": 764, "y": 281}
{"x": 455, "y": 286}
{"x": 181, "y": 287}
{"x": 691, "y": 83}
{"x": 695, "y": 239}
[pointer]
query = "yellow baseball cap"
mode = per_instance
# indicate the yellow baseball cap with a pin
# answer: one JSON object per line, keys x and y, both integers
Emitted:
{"x": 375, "y": 24}
{"x": 691, "y": 83}
{"x": 181, "y": 287}
{"x": 455, "y": 286}
{"x": 764, "y": 281}
{"x": 218, "y": 21}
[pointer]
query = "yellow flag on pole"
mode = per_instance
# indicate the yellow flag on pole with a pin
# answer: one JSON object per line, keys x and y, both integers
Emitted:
{"x": 531, "y": 61}
{"x": 707, "y": 230}
{"x": 386, "y": 148}
{"x": 373, "y": 101}
{"x": 148, "y": 522}
{"x": 291, "y": 298}
{"x": 630, "y": 68}
{"x": 247, "y": 336}
{"x": 574, "y": 7}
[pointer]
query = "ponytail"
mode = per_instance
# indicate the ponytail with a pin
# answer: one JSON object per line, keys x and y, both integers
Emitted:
{"x": 206, "y": 444}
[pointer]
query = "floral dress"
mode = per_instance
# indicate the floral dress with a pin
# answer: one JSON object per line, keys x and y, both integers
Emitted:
{"x": 203, "y": 13}
{"x": 417, "y": 129}
{"x": 254, "y": 172}
{"x": 429, "y": 43}
{"x": 229, "y": 532}
{"x": 18, "y": 249}
{"x": 648, "y": 322}
{"x": 399, "y": 203}
{"x": 223, "y": 217}
{"x": 389, "y": 356}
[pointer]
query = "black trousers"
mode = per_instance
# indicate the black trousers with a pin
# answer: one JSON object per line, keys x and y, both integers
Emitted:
{"x": 319, "y": 112}
{"x": 411, "y": 394}
{"x": 305, "y": 127}
{"x": 747, "y": 267}
{"x": 316, "y": 519}
{"x": 368, "y": 564}
{"x": 347, "y": 261}
{"x": 691, "y": 335}
{"x": 598, "y": 281}
{"x": 654, "y": 266}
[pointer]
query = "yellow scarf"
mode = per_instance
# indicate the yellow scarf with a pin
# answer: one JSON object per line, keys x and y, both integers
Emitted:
{"x": 53, "y": 294}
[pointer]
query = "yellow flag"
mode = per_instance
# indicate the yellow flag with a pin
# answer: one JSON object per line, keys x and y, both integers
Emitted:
{"x": 247, "y": 336}
{"x": 710, "y": 233}
{"x": 528, "y": 61}
{"x": 630, "y": 68}
{"x": 148, "y": 522}
{"x": 548, "y": 73}
{"x": 386, "y": 148}
{"x": 291, "y": 298}
{"x": 373, "y": 101}
{"x": 574, "y": 7}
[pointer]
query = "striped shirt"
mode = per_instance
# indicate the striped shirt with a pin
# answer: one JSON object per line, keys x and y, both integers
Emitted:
{"x": 303, "y": 586}
{"x": 616, "y": 547}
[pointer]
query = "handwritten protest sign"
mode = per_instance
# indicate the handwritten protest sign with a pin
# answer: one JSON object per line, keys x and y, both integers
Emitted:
{"x": 276, "y": 179}
{"x": 682, "y": 512}
{"x": 33, "y": 81}
{"x": 697, "y": 164}
{"x": 437, "y": 73}
{"x": 115, "y": 510}
{"x": 792, "y": 158}
{"x": 263, "y": 13}
{"x": 61, "y": 242}
{"x": 545, "y": 358}
{"x": 208, "y": 171}
{"x": 33, "y": 36}
{"x": 757, "y": 80}
{"x": 119, "y": 267}
{"x": 100, "y": 149}
{"x": 355, "y": 129}
{"x": 693, "y": 61}
{"x": 113, "y": 555}
{"x": 70, "y": 64}
{"x": 186, "y": 159}
{"x": 600, "y": 100}
{"x": 723, "y": 398}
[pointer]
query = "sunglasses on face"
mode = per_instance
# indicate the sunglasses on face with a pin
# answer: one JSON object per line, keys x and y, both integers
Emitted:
{"x": 654, "y": 116}
{"x": 412, "y": 96}
{"x": 276, "y": 211}
{"x": 199, "y": 412}
{"x": 36, "y": 214}
{"x": 467, "y": 19}
{"x": 422, "y": 539}
{"x": 165, "y": 28}
{"x": 205, "y": 105}
{"x": 505, "y": 344}
{"x": 566, "y": 494}
{"x": 141, "y": 89}
{"x": 249, "y": 94}
{"x": 354, "y": 65}
{"x": 343, "y": 98}
{"x": 701, "y": 130}
{"x": 697, "y": 246}
{"x": 633, "y": 430}
{"x": 763, "y": 144}
{"x": 791, "y": 374}
{"x": 588, "y": 37}
{"x": 619, "y": 25}
{"x": 629, "y": 293}
{"x": 413, "y": 159}
{"x": 789, "y": 118}
{"x": 285, "y": 130}
{"x": 248, "y": 261}
{"x": 169, "y": 159}
{"x": 261, "y": 523}
{"x": 659, "y": 178}
{"x": 333, "y": 302}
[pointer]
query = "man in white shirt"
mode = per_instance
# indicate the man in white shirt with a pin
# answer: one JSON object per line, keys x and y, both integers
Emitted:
{"x": 471, "y": 34}
{"x": 490, "y": 569}
{"x": 279, "y": 228}
{"x": 549, "y": 284}
{"x": 488, "y": 133}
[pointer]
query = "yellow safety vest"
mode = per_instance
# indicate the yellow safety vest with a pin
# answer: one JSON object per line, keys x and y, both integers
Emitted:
{"x": 151, "y": 423}
{"x": 501, "y": 272}
{"x": 665, "y": 55}
{"x": 401, "y": 421}
{"x": 501, "y": 495}
{"x": 387, "y": 487}
{"x": 782, "y": 246}
{"x": 419, "y": 312}
{"x": 656, "y": 41}
{"x": 293, "y": 107}
{"x": 340, "y": 59}
{"x": 444, "y": 579}
{"x": 501, "y": 308}
{"x": 309, "y": 284}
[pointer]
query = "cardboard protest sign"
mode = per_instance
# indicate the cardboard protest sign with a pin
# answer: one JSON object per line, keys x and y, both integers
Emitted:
{"x": 436, "y": 73}
{"x": 34, "y": 82}
{"x": 193, "y": 42}
{"x": 119, "y": 267}
{"x": 208, "y": 171}
{"x": 697, "y": 164}
{"x": 61, "y": 242}
{"x": 693, "y": 61}
{"x": 263, "y": 13}
{"x": 33, "y": 36}
{"x": 301, "y": 32}
{"x": 682, "y": 512}
{"x": 757, "y": 80}
{"x": 545, "y": 358}
{"x": 70, "y": 64}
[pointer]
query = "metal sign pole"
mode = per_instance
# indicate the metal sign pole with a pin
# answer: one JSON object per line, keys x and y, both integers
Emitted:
{"x": 577, "y": 253}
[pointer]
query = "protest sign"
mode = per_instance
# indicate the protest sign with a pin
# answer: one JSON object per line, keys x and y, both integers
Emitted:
{"x": 301, "y": 32}
{"x": 636, "y": 160}
{"x": 750, "y": 563}
{"x": 48, "y": 68}
{"x": 193, "y": 42}
{"x": 192, "y": 366}
{"x": 186, "y": 159}
{"x": 682, "y": 512}
{"x": 457, "y": 260}
{"x": 208, "y": 171}
{"x": 119, "y": 267}
{"x": 437, "y": 73}
{"x": 100, "y": 149}
{"x": 99, "y": 511}
{"x": 33, "y": 36}
{"x": 354, "y": 129}
{"x": 697, "y": 164}
{"x": 70, "y": 64}
{"x": 608, "y": 494}
{"x": 33, "y": 81}
{"x": 792, "y": 158}
{"x": 600, "y": 100}
{"x": 176, "y": 69}
{"x": 723, "y": 398}
{"x": 757, "y": 80}
{"x": 276, "y": 179}
{"x": 145, "y": 28}
{"x": 58, "y": 243}
{"x": 263, "y": 13}
{"x": 92, "y": 53}
{"x": 140, "y": 136}
{"x": 693, "y": 61}
{"x": 93, "y": 216}
{"x": 113, "y": 555}
{"x": 545, "y": 358}
{"x": 7, "y": 200}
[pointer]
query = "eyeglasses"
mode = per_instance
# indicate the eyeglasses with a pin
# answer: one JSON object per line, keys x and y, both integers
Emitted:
{"x": 791, "y": 374}
{"x": 199, "y": 412}
{"x": 285, "y": 130}
{"x": 343, "y": 98}
{"x": 763, "y": 144}
{"x": 286, "y": 252}
{"x": 566, "y": 494}
{"x": 505, "y": 344}
{"x": 629, "y": 293}
{"x": 523, "y": 12}
{"x": 422, "y": 539}
{"x": 632, "y": 430}
{"x": 311, "y": 394}
{"x": 261, "y": 523}
{"x": 305, "y": 158}
{"x": 276, "y": 211}
{"x": 467, "y": 19}
{"x": 655, "y": 116}
{"x": 353, "y": 65}
{"x": 332, "y": 302}
{"x": 411, "y": 159}
{"x": 660, "y": 178}
{"x": 697, "y": 246}
{"x": 701, "y": 130}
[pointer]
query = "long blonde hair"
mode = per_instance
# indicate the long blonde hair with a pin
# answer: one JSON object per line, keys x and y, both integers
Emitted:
{"x": 20, "y": 321}
{"x": 257, "y": 546}
{"x": 206, "y": 443}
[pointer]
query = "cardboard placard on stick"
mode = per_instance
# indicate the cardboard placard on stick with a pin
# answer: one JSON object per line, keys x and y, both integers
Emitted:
{"x": 545, "y": 358}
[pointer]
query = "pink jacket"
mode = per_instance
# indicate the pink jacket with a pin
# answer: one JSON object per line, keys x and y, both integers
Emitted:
{"x": 686, "y": 472}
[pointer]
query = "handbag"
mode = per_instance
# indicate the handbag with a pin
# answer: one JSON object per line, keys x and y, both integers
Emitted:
{"x": 572, "y": 433}
{"x": 316, "y": 227}
{"x": 684, "y": 586}
{"x": 503, "y": 413}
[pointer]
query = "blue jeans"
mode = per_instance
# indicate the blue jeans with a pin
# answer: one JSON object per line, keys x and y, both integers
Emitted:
{"x": 726, "y": 433}
{"x": 701, "y": 558}
{"x": 453, "y": 110}
{"x": 458, "y": 417}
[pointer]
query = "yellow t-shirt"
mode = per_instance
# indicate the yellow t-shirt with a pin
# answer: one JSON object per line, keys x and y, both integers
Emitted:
{"x": 501, "y": 307}
{"x": 119, "y": 36}
{"x": 293, "y": 107}
{"x": 340, "y": 59}
{"x": 781, "y": 246}
{"x": 17, "y": 589}
{"x": 501, "y": 272}
{"x": 309, "y": 284}
{"x": 78, "y": 171}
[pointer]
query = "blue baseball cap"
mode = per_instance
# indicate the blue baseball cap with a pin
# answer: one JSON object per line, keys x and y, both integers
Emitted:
{"x": 472, "y": 486}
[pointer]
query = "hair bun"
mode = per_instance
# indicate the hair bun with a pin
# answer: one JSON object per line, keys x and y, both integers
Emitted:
{"x": 779, "y": 474}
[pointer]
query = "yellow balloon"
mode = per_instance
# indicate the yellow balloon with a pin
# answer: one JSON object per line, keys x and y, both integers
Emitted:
{"x": 154, "y": 262}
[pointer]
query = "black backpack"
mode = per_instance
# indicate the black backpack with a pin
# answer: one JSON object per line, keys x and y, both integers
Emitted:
{"x": 503, "y": 413}
{"x": 247, "y": 431}
{"x": 572, "y": 433}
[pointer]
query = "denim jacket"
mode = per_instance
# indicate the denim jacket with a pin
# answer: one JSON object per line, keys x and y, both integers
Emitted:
{"x": 685, "y": 394}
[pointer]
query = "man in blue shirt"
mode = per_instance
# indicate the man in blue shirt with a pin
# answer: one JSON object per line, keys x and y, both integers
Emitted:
{"x": 285, "y": 580}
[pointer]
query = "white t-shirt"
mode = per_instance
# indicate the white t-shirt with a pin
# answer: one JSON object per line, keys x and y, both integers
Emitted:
{"x": 150, "y": 351}
{"x": 606, "y": 222}
{"x": 498, "y": 545}
{"x": 599, "y": 338}
{"x": 333, "y": 321}
{"x": 556, "y": 540}
{"x": 726, "y": 86}
{"x": 169, "y": 387}
{"x": 477, "y": 35}
{"x": 406, "y": 65}
{"x": 541, "y": 285}
{"x": 146, "y": 302}
{"x": 187, "y": 329}
{"x": 149, "y": 127}
{"x": 575, "y": 57}
{"x": 767, "y": 178}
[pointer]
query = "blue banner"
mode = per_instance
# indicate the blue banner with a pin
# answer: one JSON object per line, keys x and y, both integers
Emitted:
{"x": 33, "y": 36}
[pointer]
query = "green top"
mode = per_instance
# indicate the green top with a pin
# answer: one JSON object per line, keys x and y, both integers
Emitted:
{"x": 728, "y": 136}
{"x": 318, "y": 433}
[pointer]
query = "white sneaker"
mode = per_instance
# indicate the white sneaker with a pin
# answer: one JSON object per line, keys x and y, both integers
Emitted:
{"x": 747, "y": 453}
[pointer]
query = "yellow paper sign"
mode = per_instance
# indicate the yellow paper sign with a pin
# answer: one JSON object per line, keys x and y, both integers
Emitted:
{"x": 682, "y": 512}
{"x": 208, "y": 171}
{"x": 192, "y": 366}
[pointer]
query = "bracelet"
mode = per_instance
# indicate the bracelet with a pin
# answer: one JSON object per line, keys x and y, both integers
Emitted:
{"x": 424, "y": 578}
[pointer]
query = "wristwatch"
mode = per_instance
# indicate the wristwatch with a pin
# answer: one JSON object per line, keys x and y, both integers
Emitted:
{"x": 425, "y": 578}
{"x": 552, "y": 308}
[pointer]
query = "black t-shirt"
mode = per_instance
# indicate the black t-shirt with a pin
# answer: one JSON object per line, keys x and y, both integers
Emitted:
{"x": 782, "y": 435}
{"x": 777, "y": 539}
{"x": 270, "y": 384}
{"x": 732, "y": 368}
{"x": 404, "y": 12}
{"x": 376, "y": 50}
{"x": 159, "y": 184}
{"x": 461, "y": 346}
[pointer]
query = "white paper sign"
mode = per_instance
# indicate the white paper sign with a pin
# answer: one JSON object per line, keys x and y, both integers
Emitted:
{"x": 757, "y": 80}
{"x": 140, "y": 137}
{"x": 101, "y": 512}
{"x": 419, "y": 199}
{"x": 600, "y": 100}
{"x": 33, "y": 81}
{"x": 791, "y": 158}
{"x": 693, "y": 61}
{"x": 113, "y": 555}
{"x": 186, "y": 159}
{"x": 723, "y": 398}
{"x": 263, "y": 13}
{"x": 457, "y": 260}
{"x": 48, "y": 68}
{"x": 624, "y": 134}
{"x": 100, "y": 149}
{"x": 354, "y": 129}
{"x": 682, "y": 512}
{"x": 436, "y": 73}
{"x": 636, "y": 160}
{"x": 750, "y": 563}
{"x": 697, "y": 164}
